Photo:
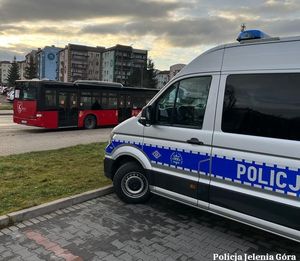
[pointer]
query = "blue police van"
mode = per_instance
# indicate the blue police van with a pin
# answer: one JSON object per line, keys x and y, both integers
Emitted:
{"x": 223, "y": 136}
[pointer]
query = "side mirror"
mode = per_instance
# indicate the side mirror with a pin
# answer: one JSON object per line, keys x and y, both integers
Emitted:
{"x": 147, "y": 118}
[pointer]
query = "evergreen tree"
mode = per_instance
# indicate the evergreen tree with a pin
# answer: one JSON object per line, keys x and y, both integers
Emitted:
{"x": 13, "y": 73}
{"x": 135, "y": 78}
{"x": 143, "y": 77}
{"x": 30, "y": 70}
{"x": 150, "y": 80}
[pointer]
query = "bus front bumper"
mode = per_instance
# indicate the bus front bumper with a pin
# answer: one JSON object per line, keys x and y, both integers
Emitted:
{"x": 30, "y": 122}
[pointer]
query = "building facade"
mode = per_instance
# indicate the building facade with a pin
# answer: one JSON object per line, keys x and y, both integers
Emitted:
{"x": 174, "y": 69}
{"x": 79, "y": 62}
{"x": 47, "y": 60}
{"x": 22, "y": 66}
{"x": 31, "y": 56}
{"x": 162, "y": 78}
{"x": 120, "y": 61}
{"x": 4, "y": 68}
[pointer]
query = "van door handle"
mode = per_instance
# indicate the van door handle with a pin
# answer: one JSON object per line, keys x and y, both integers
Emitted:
{"x": 195, "y": 141}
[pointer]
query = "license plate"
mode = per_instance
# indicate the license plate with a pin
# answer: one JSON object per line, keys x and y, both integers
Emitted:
{"x": 24, "y": 122}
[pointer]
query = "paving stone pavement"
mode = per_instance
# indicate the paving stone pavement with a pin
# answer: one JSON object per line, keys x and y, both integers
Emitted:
{"x": 107, "y": 229}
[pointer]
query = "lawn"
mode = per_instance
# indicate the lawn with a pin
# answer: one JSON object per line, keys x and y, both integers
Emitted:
{"x": 6, "y": 106}
{"x": 34, "y": 178}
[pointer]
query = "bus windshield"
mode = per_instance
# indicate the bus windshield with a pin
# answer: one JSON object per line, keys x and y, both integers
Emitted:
{"x": 25, "y": 91}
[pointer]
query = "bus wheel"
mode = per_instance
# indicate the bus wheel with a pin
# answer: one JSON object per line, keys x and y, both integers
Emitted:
{"x": 131, "y": 184}
{"x": 90, "y": 122}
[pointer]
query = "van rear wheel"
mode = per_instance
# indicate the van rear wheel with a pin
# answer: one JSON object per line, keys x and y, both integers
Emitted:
{"x": 131, "y": 184}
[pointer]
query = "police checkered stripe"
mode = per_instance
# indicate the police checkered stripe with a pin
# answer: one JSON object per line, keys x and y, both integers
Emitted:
{"x": 212, "y": 174}
{"x": 254, "y": 185}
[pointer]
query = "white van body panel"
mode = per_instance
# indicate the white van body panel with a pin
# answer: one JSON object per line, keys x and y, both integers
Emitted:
{"x": 281, "y": 55}
{"x": 208, "y": 62}
{"x": 251, "y": 179}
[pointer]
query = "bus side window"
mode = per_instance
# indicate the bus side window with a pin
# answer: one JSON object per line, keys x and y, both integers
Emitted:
{"x": 104, "y": 100}
{"x": 86, "y": 100}
{"x": 50, "y": 98}
{"x": 96, "y": 101}
{"x": 112, "y": 101}
{"x": 138, "y": 102}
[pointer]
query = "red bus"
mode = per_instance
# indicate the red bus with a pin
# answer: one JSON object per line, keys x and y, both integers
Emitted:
{"x": 83, "y": 104}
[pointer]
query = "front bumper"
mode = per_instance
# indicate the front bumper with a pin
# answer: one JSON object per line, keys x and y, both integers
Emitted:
{"x": 27, "y": 121}
{"x": 108, "y": 167}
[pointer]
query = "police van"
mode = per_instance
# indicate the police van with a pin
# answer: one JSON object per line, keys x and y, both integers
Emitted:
{"x": 223, "y": 136}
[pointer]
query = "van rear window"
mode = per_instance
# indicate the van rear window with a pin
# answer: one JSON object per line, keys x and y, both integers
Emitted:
{"x": 266, "y": 105}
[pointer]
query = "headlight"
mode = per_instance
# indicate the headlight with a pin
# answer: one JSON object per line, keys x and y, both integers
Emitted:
{"x": 111, "y": 136}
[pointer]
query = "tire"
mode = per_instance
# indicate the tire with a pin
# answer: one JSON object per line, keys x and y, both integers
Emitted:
{"x": 90, "y": 122}
{"x": 131, "y": 184}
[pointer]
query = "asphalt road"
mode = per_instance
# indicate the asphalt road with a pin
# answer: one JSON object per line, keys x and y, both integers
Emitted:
{"x": 15, "y": 138}
{"x": 107, "y": 229}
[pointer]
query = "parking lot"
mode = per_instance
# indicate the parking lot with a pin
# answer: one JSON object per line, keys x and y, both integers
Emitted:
{"x": 107, "y": 229}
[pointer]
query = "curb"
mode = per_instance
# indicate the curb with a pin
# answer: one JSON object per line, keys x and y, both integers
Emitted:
{"x": 6, "y": 112}
{"x": 18, "y": 216}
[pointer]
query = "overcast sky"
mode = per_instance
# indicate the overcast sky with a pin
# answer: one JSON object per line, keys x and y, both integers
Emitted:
{"x": 174, "y": 31}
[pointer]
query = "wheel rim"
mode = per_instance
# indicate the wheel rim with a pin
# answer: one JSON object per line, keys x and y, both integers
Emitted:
{"x": 134, "y": 185}
{"x": 89, "y": 123}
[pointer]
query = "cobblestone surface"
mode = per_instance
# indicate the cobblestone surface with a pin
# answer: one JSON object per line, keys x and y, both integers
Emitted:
{"x": 107, "y": 229}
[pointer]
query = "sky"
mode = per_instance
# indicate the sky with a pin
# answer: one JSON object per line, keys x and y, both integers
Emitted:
{"x": 173, "y": 31}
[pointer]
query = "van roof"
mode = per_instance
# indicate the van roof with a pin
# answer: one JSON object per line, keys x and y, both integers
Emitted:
{"x": 251, "y": 55}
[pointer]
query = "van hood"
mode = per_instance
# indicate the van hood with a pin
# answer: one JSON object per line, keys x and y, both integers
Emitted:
{"x": 130, "y": 127}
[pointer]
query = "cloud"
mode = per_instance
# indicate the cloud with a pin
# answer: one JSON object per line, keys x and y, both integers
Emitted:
{"x": 8, "y": 53}
{"x": 37, "y": 10}
{"x": 183, "y": 33}
{"x": 11, "y": 29}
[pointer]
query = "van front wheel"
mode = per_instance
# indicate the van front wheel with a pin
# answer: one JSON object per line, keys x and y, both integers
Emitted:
{"x": 131, "y": 184}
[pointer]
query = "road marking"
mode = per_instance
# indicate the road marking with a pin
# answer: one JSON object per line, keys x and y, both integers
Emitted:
{"x": 51, "y": 246}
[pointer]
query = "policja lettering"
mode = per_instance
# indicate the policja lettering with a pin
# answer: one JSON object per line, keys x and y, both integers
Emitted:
{"x": 258, "y": 176}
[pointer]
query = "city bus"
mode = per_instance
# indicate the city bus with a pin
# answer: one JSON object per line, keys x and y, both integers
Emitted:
{"x": 82, "y": 104}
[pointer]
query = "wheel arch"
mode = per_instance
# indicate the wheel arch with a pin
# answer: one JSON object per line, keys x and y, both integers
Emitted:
{"x": 129, "y": 153}
{"x": 93, "y": 115}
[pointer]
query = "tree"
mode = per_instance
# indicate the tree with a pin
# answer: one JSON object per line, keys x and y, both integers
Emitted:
{"x": 13, "y": 73}
{"x": 143, "y": 77}
{"x": 150, "y": 77}
{"x": 135, "y": 77}
{"x": 30, "y": 70}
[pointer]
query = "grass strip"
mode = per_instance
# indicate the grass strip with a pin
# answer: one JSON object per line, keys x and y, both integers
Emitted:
{"x": 34, "y": 178}
{"x": 6, "y": 107}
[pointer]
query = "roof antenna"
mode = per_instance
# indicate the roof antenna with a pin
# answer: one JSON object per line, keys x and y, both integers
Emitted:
{"x": 243, "y": 27}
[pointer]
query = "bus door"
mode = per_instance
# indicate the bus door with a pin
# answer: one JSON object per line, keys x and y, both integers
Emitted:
{"x": 68, "y": 109}
{"x": 125, "y": 107}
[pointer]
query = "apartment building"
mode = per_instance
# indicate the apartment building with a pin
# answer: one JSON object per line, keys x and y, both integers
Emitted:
{"x": 79, "y": 62}
{"x": 31, "y": 55}
{"x": 120, "y": 61}
{"x": 174, "y": 69}
{"x": 47, "y": 60}
{"x": 162, "y": 78}
{"x": 4, "y": 68}
{"x": 22, "y": 66}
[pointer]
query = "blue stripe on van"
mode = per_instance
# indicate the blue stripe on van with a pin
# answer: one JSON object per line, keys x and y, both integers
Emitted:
{"x": 259, "y": 175}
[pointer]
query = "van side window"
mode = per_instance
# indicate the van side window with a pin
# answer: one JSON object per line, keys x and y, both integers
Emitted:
{"x": 184, "y": 103}
{"x": 266, "y": 105}
{"x": 165, "y": 106}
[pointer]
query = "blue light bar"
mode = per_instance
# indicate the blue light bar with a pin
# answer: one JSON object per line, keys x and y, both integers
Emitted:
{"x": 252, "y": 34}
